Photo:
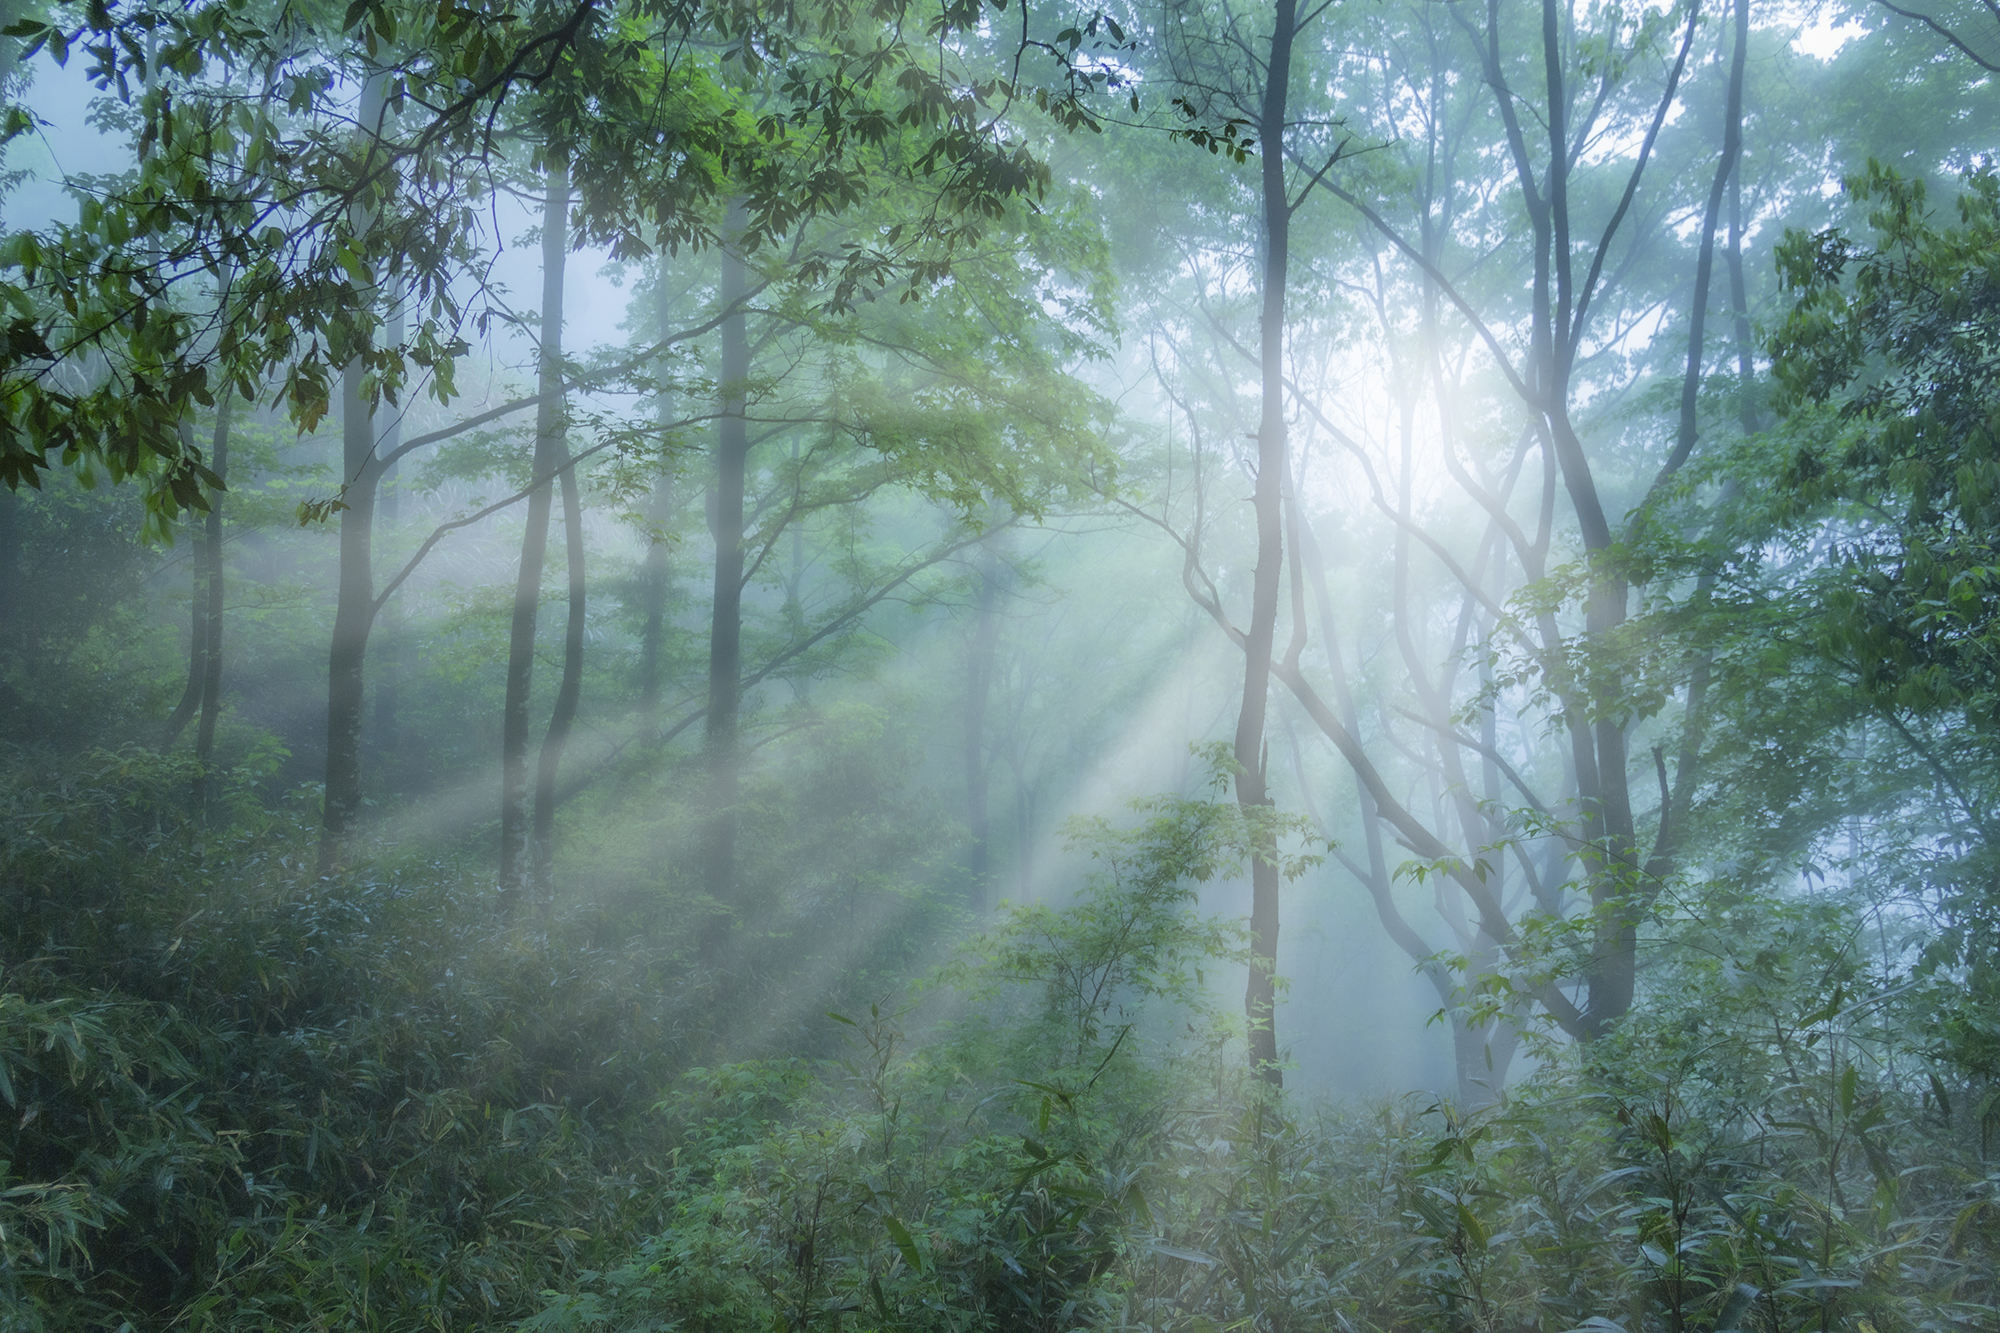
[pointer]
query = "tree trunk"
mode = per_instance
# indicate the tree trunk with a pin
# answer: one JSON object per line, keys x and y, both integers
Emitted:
{"x": 1739, "y": 297}
{"x": 354, "y": 611}
{"x": 655, "y": 587}
{"x": 1704, "y": 267}
{"x": 211, "y": 675}
{"x": 982, "y": 652}
{"x": 190, "y": 700}
{"x": 1614, "y": 970}
{"x": 393, "y": 662}
{"x": 549, "y": 454}
{"x": 1598, "y": 741}
{"x": 353, "y": 618}
{"x": 1597, "y": 747}
{"x": 1252, "y": 793}
{"x": 656, "y": 575}
{"x": 13, "y": 626}
{"x": 563, "y": 717}
{"x": 1676, "y": 805}
{"x": 725, "y": 643}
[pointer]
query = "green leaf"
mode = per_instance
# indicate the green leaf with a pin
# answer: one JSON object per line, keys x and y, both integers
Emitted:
{"x": 905, "y": 1243}
{"x": 1733, "y": 1309}
{"x": 1943, "y": 1101}
{"x": 881, "y": 1302}
{"x": 1474, "y": 1228}
{"x": 1176, "y": 1252}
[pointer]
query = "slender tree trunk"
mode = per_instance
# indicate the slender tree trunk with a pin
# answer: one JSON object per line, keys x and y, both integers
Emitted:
{"x": 211, "y": 675}
{"x": 515, "y": 824}
{"x": 563, "y": 717}
{"x": 1597, "y": 733}
{"x": 391, "y": 663}
{"x": 794, "y": 576}
{"x": 982, "y": 652}
{"x": 388, "y": 686}
{"x": 13, "y": 626}
{"x": 354, "y": 610}
{"x": 656, "y": 575}
{"x": 1679, "y": 801}
{"x": 1598, "y": 746}
{"x": 353, "y": 618}
{"x": 1252, "y": 793}
{"x": 1024, "y": 830}
{"x": 1739, "y": 296}
{"x": 190, "y": 700}
{"x": 1618, "y": 964}
{"x": 1620, "y": 887}
{"x": 13, "y": 622}
{"x": 725, "y": 643}
{"x": 1704, "y": 267}
{"x": 655, "y": 586}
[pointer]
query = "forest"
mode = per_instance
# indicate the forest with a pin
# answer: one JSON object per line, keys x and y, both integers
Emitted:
{"x": 1000, "y": 666}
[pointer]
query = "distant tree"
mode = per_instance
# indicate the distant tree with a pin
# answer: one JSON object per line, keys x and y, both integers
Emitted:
{"x": 1538, "y": 255}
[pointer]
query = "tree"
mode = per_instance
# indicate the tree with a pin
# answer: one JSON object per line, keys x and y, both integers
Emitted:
{"x": 731, "y": 460}
{"x": 520, "y": 848}
{"x": 981, "y": 665}
{"x": 361, "y": 467}
{"x": 1886, "y": 364}
{"x": 1514, "y": 245}
{"x": 1227, "y": 67}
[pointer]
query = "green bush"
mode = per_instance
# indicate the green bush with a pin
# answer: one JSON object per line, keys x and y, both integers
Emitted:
{"x": 241, "y": 1096}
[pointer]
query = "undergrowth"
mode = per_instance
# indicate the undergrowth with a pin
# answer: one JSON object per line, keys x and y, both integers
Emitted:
{"x": 240, "y": 1096}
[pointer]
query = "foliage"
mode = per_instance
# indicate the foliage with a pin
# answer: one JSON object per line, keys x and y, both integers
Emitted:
{"x": 1886, "y": 511}
{"x": 1903, "y": 337}
{"x": 241, "y": 1094}
{"x": 983, "y": 1181}
{"x": 251, "y": 241}
{"x": 1736, "y": 1157}
{"x": 1131, "y": 934}
{"x": 238, "y": 1096}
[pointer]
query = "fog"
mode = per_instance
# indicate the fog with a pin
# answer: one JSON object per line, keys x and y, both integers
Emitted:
{"x": 1199, "y": 666}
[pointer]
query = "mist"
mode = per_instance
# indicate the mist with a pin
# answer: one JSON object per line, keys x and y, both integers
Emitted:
{"x": 853, "y": 668}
